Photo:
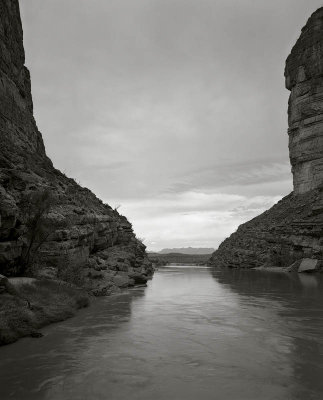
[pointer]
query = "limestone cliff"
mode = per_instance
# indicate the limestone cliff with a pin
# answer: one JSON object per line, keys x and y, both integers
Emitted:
{"x": 87, "y": 239}
{"x": 293, "y": 229}
{"x": 304, "y": 78}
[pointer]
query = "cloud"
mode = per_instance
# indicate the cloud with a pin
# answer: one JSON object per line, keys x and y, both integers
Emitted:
{"x": 192, "y": 218}
{"x": 243, "y": 174}
{"x": 148, "y": 101}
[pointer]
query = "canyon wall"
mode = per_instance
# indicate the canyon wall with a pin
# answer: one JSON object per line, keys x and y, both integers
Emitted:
{"x": 87, "y": 240}
{"x": 304, "y": 78}
{"x": 292, "y": 230}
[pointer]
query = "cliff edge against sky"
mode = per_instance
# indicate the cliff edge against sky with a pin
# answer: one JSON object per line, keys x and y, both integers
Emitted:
{"x": 87, "y": 240}
{"x": 292, "y": 229}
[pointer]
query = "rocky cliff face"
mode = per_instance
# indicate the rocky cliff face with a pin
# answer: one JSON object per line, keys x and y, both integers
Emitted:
{"x": 293, "y": 229}
{"x": 304, "y": 78}
{"x": 87, "y": 239}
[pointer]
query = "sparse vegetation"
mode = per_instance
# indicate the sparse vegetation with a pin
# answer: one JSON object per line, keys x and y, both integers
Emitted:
{"x": 50, "y": 301}
{"x": 284, "y": 257}
{"x": 71, "y": 273}
{"x": 35, "y": 207}
{"x": 75, "y": 195}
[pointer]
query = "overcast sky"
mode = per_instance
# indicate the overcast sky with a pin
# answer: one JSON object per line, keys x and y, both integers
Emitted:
{"x": 174, "y": 109}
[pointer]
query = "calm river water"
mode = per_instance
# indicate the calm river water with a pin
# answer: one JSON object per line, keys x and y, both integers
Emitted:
{"x": 191, "y": 334}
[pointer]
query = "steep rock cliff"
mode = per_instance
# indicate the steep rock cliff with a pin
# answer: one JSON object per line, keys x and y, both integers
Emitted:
{"x": 88, "y": 240}
{"x": 304, "y": 78}
{"x": 293, "y": 229}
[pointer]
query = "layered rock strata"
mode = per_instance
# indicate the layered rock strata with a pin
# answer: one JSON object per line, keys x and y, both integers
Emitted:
{"x": 88, "y": 239}
{"x": 292, "y": 230}
{"x": 304, "y": 78}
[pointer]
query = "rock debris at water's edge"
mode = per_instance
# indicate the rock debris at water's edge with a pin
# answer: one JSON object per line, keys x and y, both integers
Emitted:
{"x": 89, "y": 242}
{"x": 292, "y": 230}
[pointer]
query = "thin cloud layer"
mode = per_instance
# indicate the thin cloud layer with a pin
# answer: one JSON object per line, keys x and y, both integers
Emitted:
{"x": 192, "y": 218}
{"x": 156, "y": 99}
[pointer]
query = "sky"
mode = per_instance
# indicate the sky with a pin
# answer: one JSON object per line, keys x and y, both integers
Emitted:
{"x": 173, "y": 110}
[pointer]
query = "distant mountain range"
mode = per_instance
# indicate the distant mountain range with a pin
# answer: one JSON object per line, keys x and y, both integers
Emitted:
{"x": 188, "y": 250}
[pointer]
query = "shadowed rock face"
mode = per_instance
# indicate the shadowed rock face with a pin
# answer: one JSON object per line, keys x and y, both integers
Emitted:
{"x": 293, "y": 228}
{"x": 87, "y": 237}
{"x": 304, "y": 78}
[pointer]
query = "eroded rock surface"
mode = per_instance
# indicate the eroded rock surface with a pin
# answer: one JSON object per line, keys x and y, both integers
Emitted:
{"x": 293, "y": 229}
{"x": 89, "y": 240}
{"x": 304, "y": 78}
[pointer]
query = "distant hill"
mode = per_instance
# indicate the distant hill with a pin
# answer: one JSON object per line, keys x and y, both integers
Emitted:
{"x": 178, "y": 258}
{"x": 188, "y": 250}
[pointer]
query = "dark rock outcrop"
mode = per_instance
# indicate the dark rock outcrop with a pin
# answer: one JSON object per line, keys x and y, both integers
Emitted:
{"x": 88, "y": 240}
{"x": 292, "y": 229}
{"x": 304, "y": 78}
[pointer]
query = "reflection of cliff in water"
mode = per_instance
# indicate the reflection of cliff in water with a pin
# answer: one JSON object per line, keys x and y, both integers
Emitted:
{"x": 73, "y": 347}
{"x": 270, "y": 284}
{"x": 297, "y": 299}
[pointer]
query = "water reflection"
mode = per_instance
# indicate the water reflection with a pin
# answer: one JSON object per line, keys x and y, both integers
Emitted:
{"x": 269, "y": 284}
{"x": 70, "y": 350}
{"x": 191, "y": 334}
{"x": 297, "y": 300}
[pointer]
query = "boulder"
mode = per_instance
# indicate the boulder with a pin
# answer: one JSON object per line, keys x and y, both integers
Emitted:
{"x": 308, "y": 265}
{"x": 293, "y": 267}
{"x": 7, "y": 287}
{"x": 122, "y": 281}
{"x": 3, "y": 283}
{"x": 139, "y": 279}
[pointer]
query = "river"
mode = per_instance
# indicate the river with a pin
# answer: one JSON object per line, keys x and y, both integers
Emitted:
{"x": 191, "y": 334}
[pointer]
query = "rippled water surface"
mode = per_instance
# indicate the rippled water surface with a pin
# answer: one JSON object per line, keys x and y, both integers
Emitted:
{"x": 191, "y": 334}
